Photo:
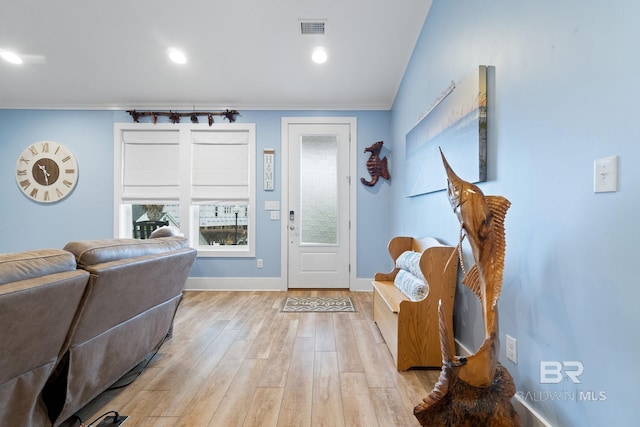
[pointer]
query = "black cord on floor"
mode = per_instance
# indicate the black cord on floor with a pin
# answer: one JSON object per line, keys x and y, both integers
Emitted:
{"x": 116, "y": 387}
{"x": 115, "y": 414}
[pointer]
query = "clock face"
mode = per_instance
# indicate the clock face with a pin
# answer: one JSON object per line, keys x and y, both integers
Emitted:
{"x": 46, "y": 172}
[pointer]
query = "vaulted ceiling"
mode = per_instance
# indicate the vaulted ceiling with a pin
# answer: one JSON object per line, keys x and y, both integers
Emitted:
{"x": 242, "y": 54}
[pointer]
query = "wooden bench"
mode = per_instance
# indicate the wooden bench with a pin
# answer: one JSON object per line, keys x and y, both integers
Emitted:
{"x": 410, "y": 328}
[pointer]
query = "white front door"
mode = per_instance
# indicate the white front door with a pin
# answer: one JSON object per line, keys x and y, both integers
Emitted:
{"x": 317, "y": 217}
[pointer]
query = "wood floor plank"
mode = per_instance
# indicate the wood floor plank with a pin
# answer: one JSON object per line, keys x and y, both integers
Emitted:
{"x": 359, "y": 409}
{"x": 264, "y": 408}
{"x": 390, "y": 408}
{"x": 373, "y": 360}
{"x": 232, "y": 410}
{"x": 207, "y": 398}
{"x": 261, "y": 312}
{"x": 139, "y": 408}
{"x": 325, "y": 334}
{"x": 158, "y": 421}
{"x": 187, "y": 356}
{"x": 298, "y": 392}
{"x": 327, "y": 394}
{"x": 261, "y": 347}
{"x": 236, "y": 359}
{"x": 307, "y": 326}
{"x": 178, "y": 396}
{"x": 348, "y": 355}
{"x": 411, "y": 389}
{"x": 275, "y": 374}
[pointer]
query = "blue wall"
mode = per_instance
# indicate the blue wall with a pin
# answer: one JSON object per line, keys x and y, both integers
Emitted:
{"x": 566, "y": 94}
{"x": 88, "y": 212}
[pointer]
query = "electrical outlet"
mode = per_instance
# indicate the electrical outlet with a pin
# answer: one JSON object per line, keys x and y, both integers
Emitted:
{"x": 512, "y": 349}
{"x": 110, "y": 421}
{"x": 260, "y": 263}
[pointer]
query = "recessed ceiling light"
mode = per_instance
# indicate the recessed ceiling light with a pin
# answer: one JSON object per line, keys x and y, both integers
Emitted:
{"x": 10, "y": 57}
{"x": 319, "y": 56}
{"x": 177, "y": 56}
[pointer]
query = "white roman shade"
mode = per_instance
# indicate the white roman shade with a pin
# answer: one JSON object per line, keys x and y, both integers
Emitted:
{"x": 151, "y": 165}
{"x": 220, "y": 165}
{"x": 194, "y": 169}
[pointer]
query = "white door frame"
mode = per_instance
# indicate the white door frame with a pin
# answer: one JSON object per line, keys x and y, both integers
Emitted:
{"x": 284, "y": 232}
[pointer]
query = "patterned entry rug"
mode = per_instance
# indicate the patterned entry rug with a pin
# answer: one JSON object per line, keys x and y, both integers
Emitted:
{"x": 332, "y": 304}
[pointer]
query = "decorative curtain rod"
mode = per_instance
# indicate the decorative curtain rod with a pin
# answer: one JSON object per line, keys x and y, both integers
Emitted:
{"x": 175, "y": 116}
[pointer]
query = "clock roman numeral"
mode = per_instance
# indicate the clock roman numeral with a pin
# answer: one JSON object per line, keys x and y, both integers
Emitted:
{"x": 25, "y": 183}
{"x": 22, "y": 172}
{"x": 66, "y": 159}
{"x": 59, "y": 193}
{"x": 46, "y": 196}
{"x": 56, "y": 152}
{"x": 67, "y": 183}
{"x": 33, "y": 150}
{"x": 45, "y": 147}
{"x": 22, "y": 159}
{"x": 34, "y": 193}
{"x": 69, "y": 171}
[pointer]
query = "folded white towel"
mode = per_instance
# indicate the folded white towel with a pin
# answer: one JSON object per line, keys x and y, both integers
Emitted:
{"x": 411, "y": 286}
{"x": 410, "y": 260}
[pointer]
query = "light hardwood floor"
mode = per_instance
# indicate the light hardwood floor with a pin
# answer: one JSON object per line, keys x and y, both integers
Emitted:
{"x": 236, "y": 360}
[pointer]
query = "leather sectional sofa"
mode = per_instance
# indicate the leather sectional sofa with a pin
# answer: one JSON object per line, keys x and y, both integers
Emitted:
{"x": 74, "y": 321}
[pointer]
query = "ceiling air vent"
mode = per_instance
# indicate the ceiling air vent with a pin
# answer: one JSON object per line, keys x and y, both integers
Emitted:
{"x": 312, "y": 27}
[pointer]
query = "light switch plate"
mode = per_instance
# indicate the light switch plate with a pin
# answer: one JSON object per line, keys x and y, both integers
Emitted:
{"x": 605, "y": 175}
{"x": 271, "y": 205}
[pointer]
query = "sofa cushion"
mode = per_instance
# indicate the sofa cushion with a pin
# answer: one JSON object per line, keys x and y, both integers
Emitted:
{"x": 166, "y": 231}
{"x": 92, "y": 252}
{"x": 32, "y": 264}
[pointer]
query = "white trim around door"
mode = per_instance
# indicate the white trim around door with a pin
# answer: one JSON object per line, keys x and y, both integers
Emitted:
{"x": 284, "y": 246}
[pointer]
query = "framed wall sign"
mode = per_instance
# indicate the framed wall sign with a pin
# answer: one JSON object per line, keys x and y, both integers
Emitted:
{"x": 269, "y": 157}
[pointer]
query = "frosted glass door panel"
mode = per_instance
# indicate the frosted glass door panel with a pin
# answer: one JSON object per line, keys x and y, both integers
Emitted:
{"x": 318, "y": 189}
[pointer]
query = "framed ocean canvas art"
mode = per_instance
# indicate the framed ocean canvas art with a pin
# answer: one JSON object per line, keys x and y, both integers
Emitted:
{"x": 457, "y": 124}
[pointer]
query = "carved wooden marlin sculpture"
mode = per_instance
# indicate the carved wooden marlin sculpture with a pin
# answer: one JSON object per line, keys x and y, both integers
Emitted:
{"x": 482, "y": 221}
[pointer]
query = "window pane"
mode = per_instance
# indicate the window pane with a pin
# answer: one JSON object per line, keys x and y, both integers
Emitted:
{"x": 319, "y": 189}
{"x": 147, "y": 218}
{"x": 224, "y": 224}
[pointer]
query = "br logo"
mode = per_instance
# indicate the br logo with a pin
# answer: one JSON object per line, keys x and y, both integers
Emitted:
{"x": 554, "y": 371}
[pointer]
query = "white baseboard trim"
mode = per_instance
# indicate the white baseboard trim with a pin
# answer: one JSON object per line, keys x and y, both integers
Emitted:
{"x": 362, "y": 285}
{"x": 529, "y": 417}
{"x": 235, "y": 284}
{"x": 254, "y": 284}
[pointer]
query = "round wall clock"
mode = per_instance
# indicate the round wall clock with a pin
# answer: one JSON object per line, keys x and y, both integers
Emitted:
{"x": 46, "y": 172}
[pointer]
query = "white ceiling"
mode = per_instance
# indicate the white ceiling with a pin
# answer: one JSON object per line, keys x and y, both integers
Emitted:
{"x": 242, "y": 54}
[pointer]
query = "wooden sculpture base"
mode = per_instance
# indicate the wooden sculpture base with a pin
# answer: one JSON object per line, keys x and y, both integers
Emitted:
{"x": 467, "y": 406}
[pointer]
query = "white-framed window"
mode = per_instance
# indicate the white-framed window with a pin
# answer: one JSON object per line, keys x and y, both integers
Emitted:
{"x": 196, "y": 177}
